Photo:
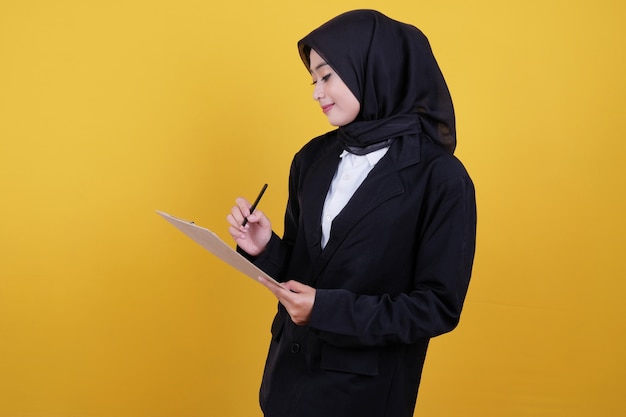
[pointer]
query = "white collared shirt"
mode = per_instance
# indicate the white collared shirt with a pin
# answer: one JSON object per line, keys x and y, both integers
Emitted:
{"x": 351, "y": 172}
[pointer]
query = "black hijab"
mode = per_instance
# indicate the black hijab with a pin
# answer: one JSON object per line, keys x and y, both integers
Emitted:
{"x": 390, "y": 68}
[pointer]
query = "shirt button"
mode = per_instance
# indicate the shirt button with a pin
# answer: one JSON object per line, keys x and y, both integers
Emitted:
{"x": 295, "y": 347}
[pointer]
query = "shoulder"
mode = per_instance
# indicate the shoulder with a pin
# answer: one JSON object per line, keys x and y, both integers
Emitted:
{"x": 424, "y": 161}
{"x": 442, "y": 165}
{"x": 320, "y": 144}
{"x": 317, "y": 148}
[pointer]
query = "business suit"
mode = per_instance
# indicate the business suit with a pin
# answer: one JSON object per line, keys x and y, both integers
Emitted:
{"x": 393, "y": 274}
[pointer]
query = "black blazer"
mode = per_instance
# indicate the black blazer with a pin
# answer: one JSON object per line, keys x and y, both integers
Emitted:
{"x": 393, "y": 274}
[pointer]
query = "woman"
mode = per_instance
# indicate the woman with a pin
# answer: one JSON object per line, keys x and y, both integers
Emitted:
{"x": 379, "y": 228}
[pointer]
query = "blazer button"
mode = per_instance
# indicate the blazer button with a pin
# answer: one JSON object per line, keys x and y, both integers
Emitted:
{"x": 295, "y": 347}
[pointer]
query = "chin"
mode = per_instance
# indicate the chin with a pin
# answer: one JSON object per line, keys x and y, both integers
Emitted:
{"x": 337, "y": 123}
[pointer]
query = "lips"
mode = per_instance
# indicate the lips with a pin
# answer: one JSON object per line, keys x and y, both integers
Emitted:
{"x": 327, "y": 107}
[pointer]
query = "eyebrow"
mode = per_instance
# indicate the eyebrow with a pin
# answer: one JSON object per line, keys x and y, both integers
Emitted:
{"x": 318, "y": 67}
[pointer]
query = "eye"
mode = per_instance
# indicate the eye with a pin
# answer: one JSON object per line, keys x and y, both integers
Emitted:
{"x": 324, "y": 78}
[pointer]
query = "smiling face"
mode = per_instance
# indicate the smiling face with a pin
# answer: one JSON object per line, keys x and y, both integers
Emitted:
{"x": 337, "y": 101}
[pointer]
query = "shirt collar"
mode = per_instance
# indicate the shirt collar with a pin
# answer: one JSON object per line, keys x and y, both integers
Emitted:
{"x": 372, "y": 157}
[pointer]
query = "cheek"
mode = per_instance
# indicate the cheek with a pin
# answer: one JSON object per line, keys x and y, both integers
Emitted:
{"x": 352, "y": 107}
{"x": 345, "y": 114}
{"x": 347, "y": 106}
{"x": 356, "y": 107}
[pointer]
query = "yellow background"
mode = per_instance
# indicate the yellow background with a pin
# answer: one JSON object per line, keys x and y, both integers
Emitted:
{"x": 110, "y": 110}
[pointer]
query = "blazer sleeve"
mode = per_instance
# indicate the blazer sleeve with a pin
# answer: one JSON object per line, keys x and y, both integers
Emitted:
{"x": 275, "y": 257}
{"x": 442, "y": 274}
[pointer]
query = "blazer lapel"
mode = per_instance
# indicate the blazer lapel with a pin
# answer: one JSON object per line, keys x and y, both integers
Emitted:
{"x": 314, "y": 189}
{"x": 382, "y": 184}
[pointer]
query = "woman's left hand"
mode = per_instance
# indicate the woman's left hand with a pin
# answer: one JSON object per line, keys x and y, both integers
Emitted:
{"x": 297, "y": 298}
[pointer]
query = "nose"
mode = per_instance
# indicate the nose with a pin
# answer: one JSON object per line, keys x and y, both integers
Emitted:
{"x": 318, "y": 91}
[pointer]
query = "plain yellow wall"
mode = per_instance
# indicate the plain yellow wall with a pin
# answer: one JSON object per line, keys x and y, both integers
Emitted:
{"x": 112, "y": 110}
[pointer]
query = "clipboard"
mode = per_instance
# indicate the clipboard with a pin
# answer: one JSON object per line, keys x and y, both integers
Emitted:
{"x": 211, "y": 242}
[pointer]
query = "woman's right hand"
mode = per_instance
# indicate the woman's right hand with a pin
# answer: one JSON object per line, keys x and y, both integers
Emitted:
{"x": 254, "y": 236}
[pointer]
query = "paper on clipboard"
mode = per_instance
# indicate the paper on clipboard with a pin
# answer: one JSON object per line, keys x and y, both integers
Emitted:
{"x": 211, "y": 242}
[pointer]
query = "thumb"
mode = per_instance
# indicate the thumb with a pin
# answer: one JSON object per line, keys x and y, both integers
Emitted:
{"x": 294, "y": 286}
{"x": 256, "y": 217}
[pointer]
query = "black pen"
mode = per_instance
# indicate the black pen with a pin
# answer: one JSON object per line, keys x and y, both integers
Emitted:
{"x": 245, "y": 221}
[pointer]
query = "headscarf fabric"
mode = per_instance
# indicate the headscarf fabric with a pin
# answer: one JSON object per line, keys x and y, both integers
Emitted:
{"x": 390, "y": 68}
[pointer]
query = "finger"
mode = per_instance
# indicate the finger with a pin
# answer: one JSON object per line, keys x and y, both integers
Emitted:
{"x": 231, "y": 219}
{"x": 244, "y": 206}
{"x": 237, "y": 216}
{"x": 260, "y": 219}
{"x": 277, "y": 288}
{"x": 295, "y": 286}
{"x": 236, "y": 233}
{"x": 274, "y": 289}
